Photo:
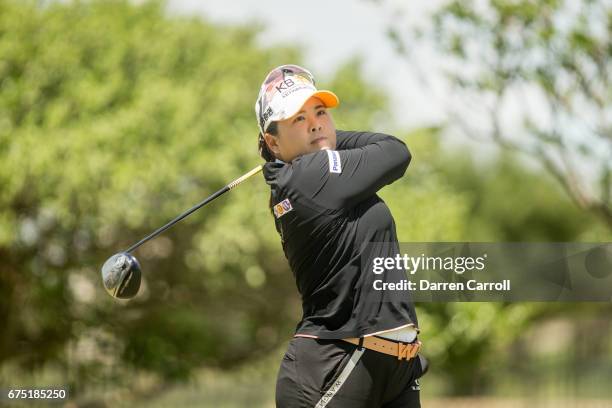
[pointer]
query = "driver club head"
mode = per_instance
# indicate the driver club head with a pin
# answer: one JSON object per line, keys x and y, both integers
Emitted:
{"x": 121, "y": 275}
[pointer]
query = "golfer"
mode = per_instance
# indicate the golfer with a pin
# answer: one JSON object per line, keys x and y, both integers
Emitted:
{"x": 354, "y": 346}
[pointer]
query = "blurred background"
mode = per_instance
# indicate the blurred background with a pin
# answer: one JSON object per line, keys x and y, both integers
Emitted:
{"x": 115, "y": 116}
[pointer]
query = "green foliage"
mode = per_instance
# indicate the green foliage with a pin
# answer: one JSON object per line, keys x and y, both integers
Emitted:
{"x": 425, "y": 205}
{"x": 539, "y": 74}
{"x": 359, "y": 105}
{"x": 447, "y": 195}
{"x": 113, "y": 119}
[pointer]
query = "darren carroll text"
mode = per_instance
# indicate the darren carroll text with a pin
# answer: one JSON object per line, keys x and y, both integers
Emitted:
{"x": 424, "y": 284}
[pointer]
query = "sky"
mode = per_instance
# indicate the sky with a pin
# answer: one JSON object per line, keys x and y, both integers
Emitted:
{"x": 330, "y": 32}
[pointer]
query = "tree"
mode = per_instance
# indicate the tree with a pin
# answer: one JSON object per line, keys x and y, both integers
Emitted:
{"x": 449, "y": 195}
{"x": 534, "y": 77}
{"x": 115, "y": 117}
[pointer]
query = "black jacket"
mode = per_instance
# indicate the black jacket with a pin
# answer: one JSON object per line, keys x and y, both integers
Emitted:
{"x": 332, "y": 223}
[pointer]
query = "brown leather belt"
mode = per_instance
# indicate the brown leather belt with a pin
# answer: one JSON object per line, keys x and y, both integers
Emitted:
{"x": 393, "y": 348}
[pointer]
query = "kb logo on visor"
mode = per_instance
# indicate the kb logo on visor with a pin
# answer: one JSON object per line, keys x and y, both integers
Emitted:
{"x": 284, "y": 85}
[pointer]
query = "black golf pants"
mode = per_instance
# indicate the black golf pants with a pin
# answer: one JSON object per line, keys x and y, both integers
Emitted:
{"x": 317, "y": 373}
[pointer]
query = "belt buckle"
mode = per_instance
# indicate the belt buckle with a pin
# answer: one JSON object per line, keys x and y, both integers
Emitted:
{"x": 407, "y": 350}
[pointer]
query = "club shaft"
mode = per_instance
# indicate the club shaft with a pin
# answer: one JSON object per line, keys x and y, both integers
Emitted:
{"x": 195, "y": 208}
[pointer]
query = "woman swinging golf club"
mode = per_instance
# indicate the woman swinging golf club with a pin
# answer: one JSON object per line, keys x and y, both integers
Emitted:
{"x": 355, "y": 346}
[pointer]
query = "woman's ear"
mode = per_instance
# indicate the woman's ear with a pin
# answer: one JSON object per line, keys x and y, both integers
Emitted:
{"x": 272, "y": 142}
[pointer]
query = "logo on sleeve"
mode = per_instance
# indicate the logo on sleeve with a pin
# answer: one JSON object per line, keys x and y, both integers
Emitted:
{"x": 335, "y": 166}
{"x": 282, "y": 208}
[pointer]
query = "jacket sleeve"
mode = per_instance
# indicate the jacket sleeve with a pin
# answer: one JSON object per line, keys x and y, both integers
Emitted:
{"x": 346, "y": 140}
{"x": 363, "y": 164}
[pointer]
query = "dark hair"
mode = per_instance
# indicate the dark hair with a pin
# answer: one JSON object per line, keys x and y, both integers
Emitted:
{"x": 266, "y": 153}
{"x": 264, "y": 150}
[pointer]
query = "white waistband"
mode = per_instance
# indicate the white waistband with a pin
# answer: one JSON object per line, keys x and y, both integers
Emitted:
{"x": 403, "y": 334}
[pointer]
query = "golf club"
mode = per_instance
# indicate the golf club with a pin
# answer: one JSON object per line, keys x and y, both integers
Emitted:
{"x": 121, "y": 273}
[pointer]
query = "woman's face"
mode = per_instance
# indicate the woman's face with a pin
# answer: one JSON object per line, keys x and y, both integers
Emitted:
{"x": 309, "y": 130}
